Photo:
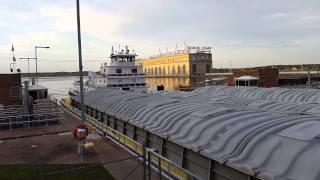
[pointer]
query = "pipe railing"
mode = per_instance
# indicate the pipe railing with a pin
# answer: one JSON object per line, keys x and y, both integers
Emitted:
{"x": 158, "y": 162}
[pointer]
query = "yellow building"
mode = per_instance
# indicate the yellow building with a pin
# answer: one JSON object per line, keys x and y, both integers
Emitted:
{"x": 192, "y": 62}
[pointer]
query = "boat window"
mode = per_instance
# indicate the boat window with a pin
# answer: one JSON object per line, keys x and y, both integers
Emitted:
{"x": 194, "y": 68}
{"x": 118, "y": 71}
{"x": 208, "y": 68}
{"x": 134, "y": 70}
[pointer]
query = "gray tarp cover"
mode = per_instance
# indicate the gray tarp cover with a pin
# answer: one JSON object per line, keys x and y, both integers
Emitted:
{"x": 274, "y": 131}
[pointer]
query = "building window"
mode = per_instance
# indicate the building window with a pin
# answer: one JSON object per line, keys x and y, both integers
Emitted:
{"x": 118, "y": 71}
{"x": 164, "y": 70}
{"x": 253, "y": 83}
{"x": 169, "y": 70}
{"x": 159, "y": 70}
{"x": 179, "y": 70}
{"x": 194, "y": 68}
{"x": 155, "y": 70}
{"x": 208, "y": 68}
{"x": 134, "y": 71}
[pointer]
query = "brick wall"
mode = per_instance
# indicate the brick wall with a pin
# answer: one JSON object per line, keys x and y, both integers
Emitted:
{"x": 241, "y": 72}
{"x": 10, "y": 85}
{"x": 268, "y": 77}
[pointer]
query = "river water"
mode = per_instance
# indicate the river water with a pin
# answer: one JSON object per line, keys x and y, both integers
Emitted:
{"x": 59, "y": 86}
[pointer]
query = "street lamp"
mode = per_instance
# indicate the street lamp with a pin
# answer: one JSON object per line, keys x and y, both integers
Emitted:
{"x": 80, "y": 61}
{"x": 28, "y": 58}
{"x": 36, "y": 57}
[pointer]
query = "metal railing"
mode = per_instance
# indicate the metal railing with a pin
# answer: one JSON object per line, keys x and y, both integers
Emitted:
{"x": 29, "y": 120}
{"x": 158, "y": 162}
{"x": 44, "y": 113}
{"x": 122, "y": 74}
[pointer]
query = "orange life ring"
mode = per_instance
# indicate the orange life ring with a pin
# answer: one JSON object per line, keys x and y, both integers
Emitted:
{"x": 80, "y": 136}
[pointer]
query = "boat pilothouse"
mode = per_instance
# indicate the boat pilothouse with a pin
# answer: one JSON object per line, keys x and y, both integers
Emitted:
{"x": 120, "y": 72}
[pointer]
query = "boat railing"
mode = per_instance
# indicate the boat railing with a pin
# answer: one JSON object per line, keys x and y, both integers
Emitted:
{"x": 43, "y": 113}
{"x": 30, "y": 120}
{"x": 122, "y": 74}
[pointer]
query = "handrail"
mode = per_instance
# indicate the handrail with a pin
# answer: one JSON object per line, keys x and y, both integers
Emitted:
{"x": 166, "y": 165}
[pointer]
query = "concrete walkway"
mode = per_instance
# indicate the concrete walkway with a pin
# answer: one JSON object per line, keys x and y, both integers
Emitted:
{"x": 50, "y": 146}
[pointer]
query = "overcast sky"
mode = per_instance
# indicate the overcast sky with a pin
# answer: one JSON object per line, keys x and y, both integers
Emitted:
{"x": 243, "y": 33}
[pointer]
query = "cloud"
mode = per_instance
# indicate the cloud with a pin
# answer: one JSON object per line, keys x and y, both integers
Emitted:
{"x": 311, "y": 21}
{"x": 22, "y": 16}
{"x": 277, "y": 15}
{"x": 245, "y": 31}
{"x": 101, "y": 25}
{"x": 35, "y": 38}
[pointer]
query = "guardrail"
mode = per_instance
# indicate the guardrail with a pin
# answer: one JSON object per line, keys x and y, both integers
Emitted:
{"x": 123, "y": 74}
{"x": 160, "y": 163}
{"x": 29, "y": 120}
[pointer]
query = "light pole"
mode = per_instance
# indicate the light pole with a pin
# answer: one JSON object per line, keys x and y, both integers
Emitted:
{"x": 80, "y": 71}
{"x": 28, "y": 58}
{"x": 36, "y": 57}
{"x": 11, "y": 67}
{"x": 80, "y": 63}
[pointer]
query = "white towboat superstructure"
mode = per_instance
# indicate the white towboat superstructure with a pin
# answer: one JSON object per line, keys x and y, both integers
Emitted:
{"x": 121, "y": 72}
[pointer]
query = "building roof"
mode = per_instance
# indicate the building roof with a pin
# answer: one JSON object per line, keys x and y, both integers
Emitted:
{"x": 247, "y": 78}
{"x": 36, "y": 87}
{"x": 274, "y": 131}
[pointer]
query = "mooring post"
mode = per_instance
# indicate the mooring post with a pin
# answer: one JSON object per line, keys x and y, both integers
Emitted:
{"x": 144, "y": 160}
{"x": 149, "y": 165}
{"x": 159, "y": 167}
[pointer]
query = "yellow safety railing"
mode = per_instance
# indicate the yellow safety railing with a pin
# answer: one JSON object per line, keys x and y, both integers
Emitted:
{"x": 166, "y": 165}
